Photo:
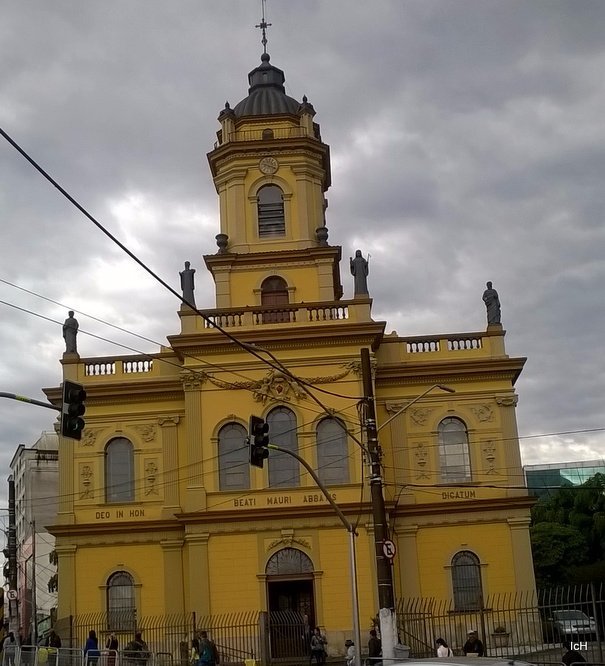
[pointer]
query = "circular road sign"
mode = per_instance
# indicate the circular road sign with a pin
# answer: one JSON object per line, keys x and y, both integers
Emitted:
{"x": 389, "y": 549}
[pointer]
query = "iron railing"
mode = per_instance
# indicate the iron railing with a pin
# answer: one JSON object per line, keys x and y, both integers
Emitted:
{"x": 519, "y": 625}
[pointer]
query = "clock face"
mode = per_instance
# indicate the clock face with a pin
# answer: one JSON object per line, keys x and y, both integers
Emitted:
{"x": 268, "y": 165}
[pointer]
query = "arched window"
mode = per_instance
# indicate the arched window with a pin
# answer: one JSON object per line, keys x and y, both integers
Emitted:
{"x": 233, "y": 458}
{"x": 453, "y": 450}
{"x": 121, "y": 613}
{"x": 283, "y": 469}
{"x": 274, "y": 292}
{"x": 332, "y": 453}
{"x": 289, "y": 562}
{"x": 119, "y": 471}
{"x": 271, "y": 221}
{"x": 267, "y": 133}
{"x": 466, "y": 581}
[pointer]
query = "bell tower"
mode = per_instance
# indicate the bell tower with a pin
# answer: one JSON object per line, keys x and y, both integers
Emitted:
{"x": 271, "y": 171}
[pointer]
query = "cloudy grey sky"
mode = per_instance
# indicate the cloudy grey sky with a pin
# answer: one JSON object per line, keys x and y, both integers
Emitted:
{"x": 468, "y": 144}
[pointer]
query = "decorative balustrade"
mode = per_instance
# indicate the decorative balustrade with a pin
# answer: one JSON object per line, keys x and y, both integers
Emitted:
{"x": 277, "y": 314}
{"x": 264, "y": 135}
{"x": 127, "y": 366}
{"x": 454, "y": 343}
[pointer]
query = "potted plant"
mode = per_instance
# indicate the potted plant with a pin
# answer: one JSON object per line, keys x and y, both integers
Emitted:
{"x": 500, "y": 636}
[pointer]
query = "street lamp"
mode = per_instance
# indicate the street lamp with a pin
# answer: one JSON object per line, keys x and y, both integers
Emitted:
{"x": 448, "y": 389}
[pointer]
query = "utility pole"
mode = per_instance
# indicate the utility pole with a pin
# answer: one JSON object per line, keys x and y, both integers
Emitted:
{"x": 384, "y": 571}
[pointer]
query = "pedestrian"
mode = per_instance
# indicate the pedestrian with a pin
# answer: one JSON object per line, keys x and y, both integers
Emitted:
{"x": 9, "y": 648}
{"x": 473, "y": 645}
{"x": 318, "y": 647}
{"x": 571, "y": 656}
{"x": 112, "y": 645}
{"x": 137, "y": 652}
{"x": 443, "y": 649}
{"x": 53, "y": 642}
{"x": 350, "y": 654}
{"x": 194, "y": 652}
{"x": 91, "y": 649}
{"x": 208, "y": 652}
{"x": 374, "y": 649}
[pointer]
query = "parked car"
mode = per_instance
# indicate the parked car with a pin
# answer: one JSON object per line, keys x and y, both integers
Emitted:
{"x": 571, "y": 624}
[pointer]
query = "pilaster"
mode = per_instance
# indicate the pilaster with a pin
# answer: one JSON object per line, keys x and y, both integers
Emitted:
{"x": 168, "y": 425}
{"x": 195, "y": 498}
{"x": 510, "y": 444}
{"x": 66, "y": 568}
{"x": 199, "y": 573}
{"x": 407, "y": 561}
{"x": 522, "y": 557}
{"x": 174, "y": 597}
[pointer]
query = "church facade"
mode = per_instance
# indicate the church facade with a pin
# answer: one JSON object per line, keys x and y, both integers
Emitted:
{"x": 160, "y": 512}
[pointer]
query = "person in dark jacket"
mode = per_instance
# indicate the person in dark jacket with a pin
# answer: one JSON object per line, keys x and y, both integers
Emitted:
{"x": 91, "y": 649}
{"x": 374, "y": 649}
{"x": 571, "y": 656}
{"x": 473, "y": 645}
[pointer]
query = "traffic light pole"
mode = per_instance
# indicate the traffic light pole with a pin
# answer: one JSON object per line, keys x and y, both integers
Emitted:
{"x": 384, "y": 572}
{"x": 352, "y": 555}
{"x": 31, "y": 401}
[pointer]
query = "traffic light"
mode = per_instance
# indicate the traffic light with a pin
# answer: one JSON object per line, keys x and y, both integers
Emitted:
{"x": 259, "y": 440}
{"x": 72, "y": 422}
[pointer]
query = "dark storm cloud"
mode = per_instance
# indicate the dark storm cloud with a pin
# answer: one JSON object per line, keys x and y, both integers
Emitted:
{"x": 467, "y": 144}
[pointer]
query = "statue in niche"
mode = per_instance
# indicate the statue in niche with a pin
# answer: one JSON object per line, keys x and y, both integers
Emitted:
{"x": 492, "y": 303}
{"x": 360, "y": 270}
{"x": 187, "y": 283}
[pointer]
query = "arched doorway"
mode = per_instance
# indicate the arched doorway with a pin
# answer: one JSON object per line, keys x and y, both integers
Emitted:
{"x": 291, "y": 603}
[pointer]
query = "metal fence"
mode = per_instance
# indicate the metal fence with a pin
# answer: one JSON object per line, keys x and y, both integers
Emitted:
{"x": 521, "y": 625}
{"x": 238, "y": 636}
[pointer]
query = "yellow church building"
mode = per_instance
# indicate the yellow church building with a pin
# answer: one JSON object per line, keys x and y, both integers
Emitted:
{"x": 160, "y": 513}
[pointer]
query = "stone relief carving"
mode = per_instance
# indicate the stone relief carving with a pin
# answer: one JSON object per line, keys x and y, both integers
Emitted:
{"x": 508, "y": 401}
{"x": 86, "y": 482}
{"x": 420, "y": 415}
{"x": 287, "y": 541}
{"x": 421, "y": 454}
{"x": 277, "y": 385}
{"x": 483, "y": 413}
{"x": 151, "y": 471}
{"x": 489, "y": 457}
{"x": 168, "y": 420}
{"x": 147, "y": 432}
{"x": 89, "y": 437}
{"x": 192, "y": 381}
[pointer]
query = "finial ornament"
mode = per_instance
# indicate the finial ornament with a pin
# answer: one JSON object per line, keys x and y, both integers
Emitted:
{"x": 263, "y": 25}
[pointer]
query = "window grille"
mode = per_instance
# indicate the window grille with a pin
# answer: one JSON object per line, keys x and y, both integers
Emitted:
{"x": 233, "y": 457}
{"x": 121, "y": 613}
{"x": 119, "y": 471}
{"x": 466, "y": 581}
{"x": 454, "y": 451}
{"x": 283, "y": 469}
{"x": 271, "y": 221}
{"x": 332, "y": 452}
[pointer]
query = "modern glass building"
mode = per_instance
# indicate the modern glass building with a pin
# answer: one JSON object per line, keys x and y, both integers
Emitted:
{"x": 541, "y": 479}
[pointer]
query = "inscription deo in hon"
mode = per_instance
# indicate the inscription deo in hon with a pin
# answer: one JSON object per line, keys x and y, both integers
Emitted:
{"x": 276, "y": 500}
{"x": 116, "y": 514}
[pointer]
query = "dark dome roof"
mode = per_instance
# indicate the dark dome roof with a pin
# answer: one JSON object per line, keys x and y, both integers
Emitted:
{"x": 266, "y": 94}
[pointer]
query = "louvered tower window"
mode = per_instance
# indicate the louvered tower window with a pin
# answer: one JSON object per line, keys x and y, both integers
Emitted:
{"x": 271, "y": 220}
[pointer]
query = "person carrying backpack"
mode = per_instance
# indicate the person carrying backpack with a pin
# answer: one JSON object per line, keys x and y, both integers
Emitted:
{"x": 208, "y": 652}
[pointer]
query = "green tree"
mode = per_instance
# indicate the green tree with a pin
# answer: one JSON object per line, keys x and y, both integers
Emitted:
{"x": 568, "y": 533}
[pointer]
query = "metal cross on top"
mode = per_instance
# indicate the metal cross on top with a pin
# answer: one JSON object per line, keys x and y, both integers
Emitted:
{"x": 263, "y": 25}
